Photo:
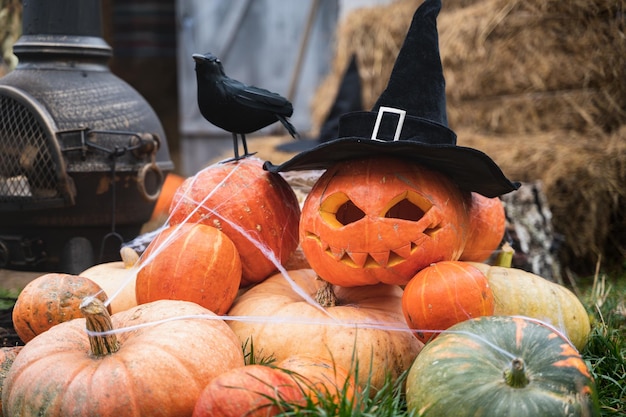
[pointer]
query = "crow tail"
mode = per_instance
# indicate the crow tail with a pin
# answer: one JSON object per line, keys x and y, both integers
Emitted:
{"x": 292, "y": 130}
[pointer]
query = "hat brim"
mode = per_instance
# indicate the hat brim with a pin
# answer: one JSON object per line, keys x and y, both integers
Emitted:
{"x": 469, "y": 168}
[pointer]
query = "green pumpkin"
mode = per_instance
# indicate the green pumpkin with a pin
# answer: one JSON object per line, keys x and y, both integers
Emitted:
{"x": 500, "y": 366}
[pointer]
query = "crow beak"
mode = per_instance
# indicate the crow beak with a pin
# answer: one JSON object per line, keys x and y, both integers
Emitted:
{"x": 198, "y": 57}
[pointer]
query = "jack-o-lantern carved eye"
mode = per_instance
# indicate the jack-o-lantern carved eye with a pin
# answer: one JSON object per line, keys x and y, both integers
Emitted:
{"x": 410, "y": 206}
{"x": 407, "y": 206}
{"x": 338, "y": 210}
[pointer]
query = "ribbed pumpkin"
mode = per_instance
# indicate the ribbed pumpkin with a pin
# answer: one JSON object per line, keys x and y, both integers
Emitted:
{"x": 7, "y": 357}
{"x": 321, "y": 377}
{"x": 444, "y": 294}
{"x": 282, "y": 323}
{"x": 158, "y": 369}
{"x": 500, "y": 366}
{"x": 51, "y": 299}
{"x": 250, "y": 391}
{"x": 379, "y": 220}
{"x": 190, "y": 262}
{"x": 256, "y": 209}
{"x": 518, "y": 292}
{"x": 487, "y": 224}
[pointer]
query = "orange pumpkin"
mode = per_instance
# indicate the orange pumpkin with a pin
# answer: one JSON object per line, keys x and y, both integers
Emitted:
{"x": 157, "y": 369}
{"x": 487, "y": 224}
{"x": 381, "y": 220}
{"x": 190, "y": 262}
{"x": 351, "y": 327}
{"x": 168, "y": 190}
{"x": 444, "y": 294}
{"x": 250, "y": 391}
{"x": 256, "y": 209}
{"x": 7, "y": 357}
{"x": 321, "y": 378}
{"x": 51, "y": 299}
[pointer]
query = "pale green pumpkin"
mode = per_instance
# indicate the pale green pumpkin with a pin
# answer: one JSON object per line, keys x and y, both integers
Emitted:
{"x": 500, "y": 366}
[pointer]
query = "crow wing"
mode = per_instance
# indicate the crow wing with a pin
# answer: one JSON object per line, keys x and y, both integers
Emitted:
{"x": 259, "y": 98}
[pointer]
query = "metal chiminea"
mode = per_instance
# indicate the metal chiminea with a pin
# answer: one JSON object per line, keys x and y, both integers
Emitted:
{"x": 82, "y": 154}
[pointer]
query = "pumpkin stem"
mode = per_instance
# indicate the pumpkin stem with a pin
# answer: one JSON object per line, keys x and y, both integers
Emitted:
{"x": 505, "y": 256}
{"x": 515, "y": 375}
{"x": 99, "y": 321}
{"x": 326, "y": 295}
{"x": 129, "y": 256}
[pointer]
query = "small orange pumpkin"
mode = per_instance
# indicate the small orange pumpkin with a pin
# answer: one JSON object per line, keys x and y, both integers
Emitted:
{"x": 51, "y": 299}
{"x": 379, "y": 220}
{"x": 168, "y": 190}
{"x": 321, "y": 377}
{"x": 256, "y": 209}
{"x": 444, "y": 294}
{"x": 487, "y": 224}
{"x": 190, "y": 262}
{"x": 251, "y": 391}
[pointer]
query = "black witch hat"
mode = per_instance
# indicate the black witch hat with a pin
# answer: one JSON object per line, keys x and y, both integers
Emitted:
{"x": 409, "y": 120}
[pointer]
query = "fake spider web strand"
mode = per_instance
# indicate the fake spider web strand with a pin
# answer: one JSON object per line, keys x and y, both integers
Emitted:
{"x": 197, "y": 205}
{"x": 269, "y": 254}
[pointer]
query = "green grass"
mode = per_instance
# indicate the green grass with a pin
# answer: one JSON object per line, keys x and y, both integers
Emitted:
{"x": 7, "y": 298}
{"x": 605, "y": 352}
{"x": 388, "y": 401}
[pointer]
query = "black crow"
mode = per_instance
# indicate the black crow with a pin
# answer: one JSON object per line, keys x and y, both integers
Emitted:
{"x": 236, "y": 107}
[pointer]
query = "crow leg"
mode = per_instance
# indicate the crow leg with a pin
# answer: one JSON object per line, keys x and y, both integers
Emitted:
{"x": 245, "y": 145}
{"x": 235, "y": 146}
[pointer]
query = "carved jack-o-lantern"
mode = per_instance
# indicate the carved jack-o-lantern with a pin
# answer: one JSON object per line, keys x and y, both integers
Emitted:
{"x": 381, "y": 220}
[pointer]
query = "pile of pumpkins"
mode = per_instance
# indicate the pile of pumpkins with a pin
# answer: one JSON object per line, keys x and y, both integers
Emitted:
{"x": 380, "y": 272}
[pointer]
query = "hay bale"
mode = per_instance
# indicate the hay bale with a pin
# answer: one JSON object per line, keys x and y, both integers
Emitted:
{"x": 580, "y": 110}
{"x": 510, "y": 66}
{"x": 583, "y": 179}
{"x": 561, "y": 63}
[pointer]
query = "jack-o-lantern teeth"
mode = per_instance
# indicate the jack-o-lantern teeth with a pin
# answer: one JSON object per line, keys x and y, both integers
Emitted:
{"x": 374, "y": 260}
{"x": 364, "y": 259}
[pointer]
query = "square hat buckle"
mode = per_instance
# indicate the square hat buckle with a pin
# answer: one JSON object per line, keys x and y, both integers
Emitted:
{"x": 379, "y": 117}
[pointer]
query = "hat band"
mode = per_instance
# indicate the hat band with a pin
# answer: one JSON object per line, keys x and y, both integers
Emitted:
{"x": 391, "y": 124}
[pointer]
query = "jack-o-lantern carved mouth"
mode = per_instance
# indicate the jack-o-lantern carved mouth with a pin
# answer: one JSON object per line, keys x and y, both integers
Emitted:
{"x": 406, "y": 210}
